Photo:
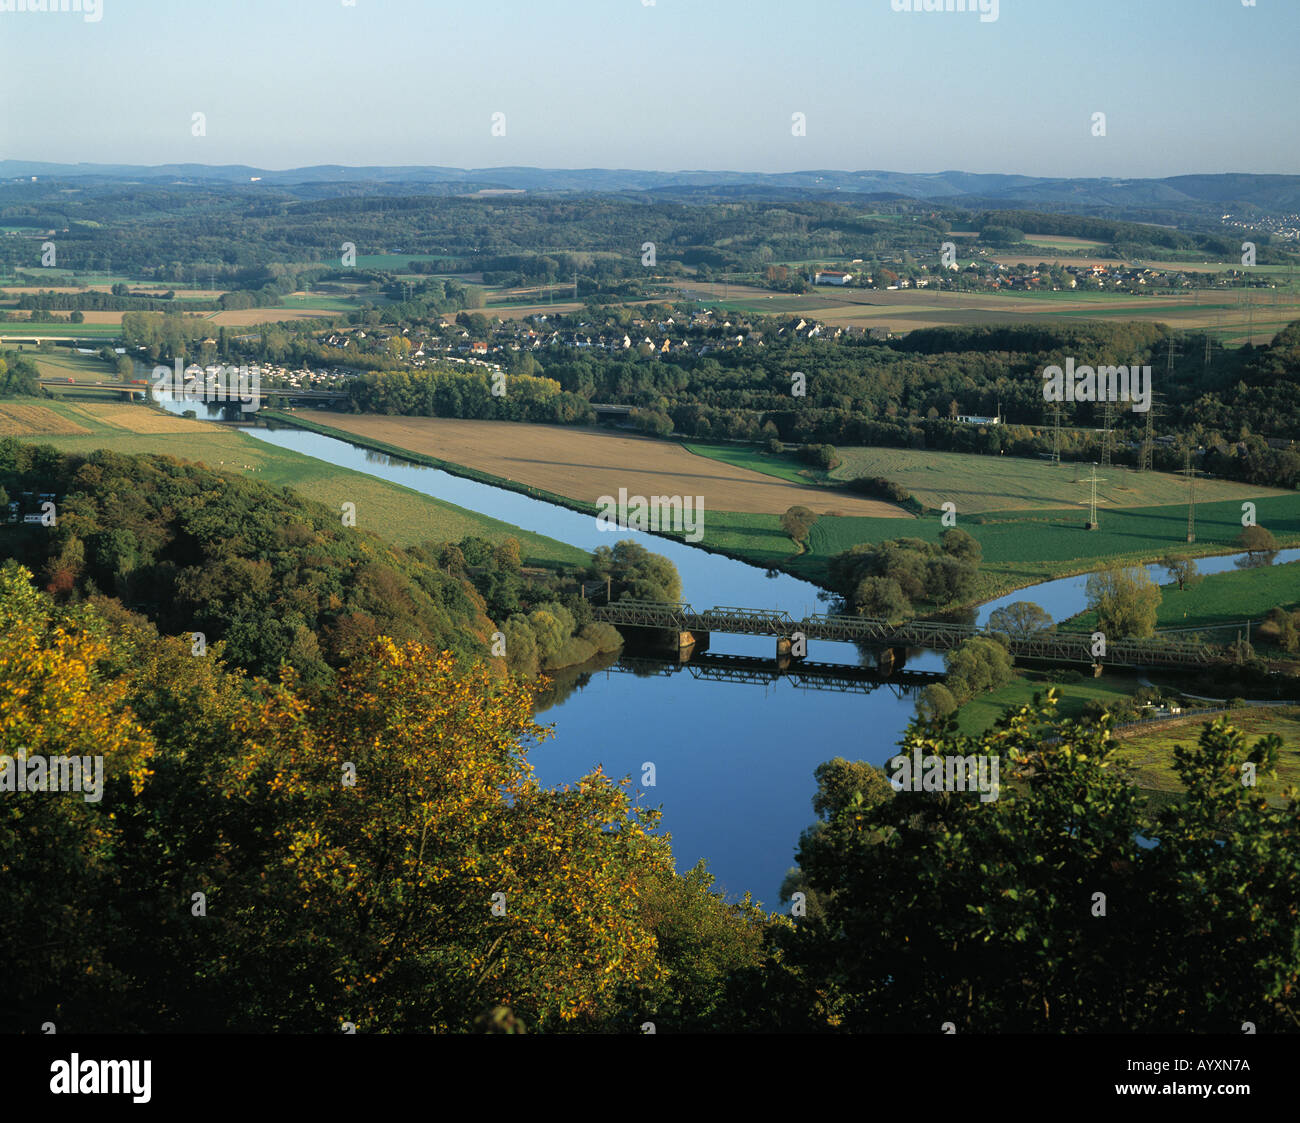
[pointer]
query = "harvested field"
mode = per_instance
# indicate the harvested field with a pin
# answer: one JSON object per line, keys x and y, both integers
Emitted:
{"x": 246, "y": 317}
{"x": 585, "y": 464}
{"x": 28, "y": 421}
{"x": 137, "y": 419}
{"x": 978, "y": 484}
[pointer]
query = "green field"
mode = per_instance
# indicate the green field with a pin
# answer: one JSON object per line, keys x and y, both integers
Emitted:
{"x": 63, "y": 363}
{"x": 1064, "y": 242}
{"x": 1030, "y": 546}
{"x": 64, "y": 330}
{"x": 979, "y": 484}
{"x": 1151, "y": 751}
{"x": 326, "y": 303}
{"x": 397, "y": 514}
{"x": 1023, "y": 543}
{"x": 747, "y": 456}
{"x": 1224, "y": 598}
{"x": 981, "y": 712}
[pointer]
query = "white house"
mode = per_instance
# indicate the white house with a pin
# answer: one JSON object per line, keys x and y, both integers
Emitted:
{"x": 831, "y": 277}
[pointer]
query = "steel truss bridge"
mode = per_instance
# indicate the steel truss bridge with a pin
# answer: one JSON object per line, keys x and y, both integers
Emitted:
{"x": 1056, "y": 647}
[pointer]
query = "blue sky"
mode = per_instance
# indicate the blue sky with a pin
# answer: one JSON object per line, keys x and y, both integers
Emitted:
{"x": 1187, "y": 85}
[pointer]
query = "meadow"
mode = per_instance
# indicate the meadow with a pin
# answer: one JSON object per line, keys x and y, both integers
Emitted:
{"x": 1024, "y": 547}
{"x": 980, "y": 484}
{"x": 983, "y": 711}
{"x": 1219, "y": 311}
{"x": 1223, "y": 598}
{"x": 397, "y": 514}
{"x": 1148, "y": 749}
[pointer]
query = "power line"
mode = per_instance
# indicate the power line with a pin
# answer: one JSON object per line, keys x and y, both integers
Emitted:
{"x": 1108, "y": 425}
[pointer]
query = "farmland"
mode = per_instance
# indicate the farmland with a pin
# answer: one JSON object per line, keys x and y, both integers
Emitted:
{"x": 1151, "y": 750}
{"x": 584, "y": 464}
{"x": 981, "y": 484}
{"x": 23, "y": 420}
{"x": 1225, "y": 598}
{"x": 978, "y": 484}
{"x": 398, "y": 514}
{"x": 1030, "y": 546}
{"x": 908, "y": 309}
{"x": 1021, "y": 545}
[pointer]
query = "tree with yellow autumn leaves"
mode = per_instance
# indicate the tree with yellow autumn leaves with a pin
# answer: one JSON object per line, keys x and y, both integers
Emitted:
{"x": 381, "y": 854}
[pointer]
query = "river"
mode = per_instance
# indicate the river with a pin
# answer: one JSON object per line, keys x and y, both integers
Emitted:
{"x": 733, "y": 762}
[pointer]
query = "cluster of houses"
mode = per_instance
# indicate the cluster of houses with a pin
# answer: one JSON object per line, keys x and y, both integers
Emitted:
{"x": 995, "y": 276}
{"x": 1285, "y": 227}
{"x": 688, "y": 333}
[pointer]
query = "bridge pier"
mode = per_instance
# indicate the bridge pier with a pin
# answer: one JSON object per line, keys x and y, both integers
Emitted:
{"x": 785, "y": 650}
{"x": 890, "y": 659}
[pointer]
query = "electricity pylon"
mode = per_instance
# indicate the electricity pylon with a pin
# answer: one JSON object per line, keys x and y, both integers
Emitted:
{"x": 1108, "y": 425}
{"x": 1094, "y": 480}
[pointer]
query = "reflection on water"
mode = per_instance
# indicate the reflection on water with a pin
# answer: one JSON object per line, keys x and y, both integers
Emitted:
{"x": 734, "y": 753}
{"x": 567, "y": 681}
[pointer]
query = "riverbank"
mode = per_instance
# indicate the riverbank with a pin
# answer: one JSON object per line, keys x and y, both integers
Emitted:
{"x": 400, "y": 515}
{"x": 736, "y": 773}
{"x": 738, "y": 525}
{"x": 1021, "y": 548}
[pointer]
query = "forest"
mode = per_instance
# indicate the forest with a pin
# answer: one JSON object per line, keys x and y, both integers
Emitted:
{"x": 904, "y": 394}
{"x": 380, "y": 854}
{"x": 173, "y": 233}
{"x": 276, "y": 585}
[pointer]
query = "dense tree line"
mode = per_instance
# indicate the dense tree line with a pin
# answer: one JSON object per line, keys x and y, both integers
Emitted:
{"x": 19, "y": 377}
{"x": 925, "y": 908}
{"x": 271, "y": 576}
{"x": 468, "y": 393}
{"x": 227, "y": 880}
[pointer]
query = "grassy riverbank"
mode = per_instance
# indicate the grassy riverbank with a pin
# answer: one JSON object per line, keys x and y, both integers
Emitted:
{"x": 1222, "y": 598}
{"x": 398, "y": 514}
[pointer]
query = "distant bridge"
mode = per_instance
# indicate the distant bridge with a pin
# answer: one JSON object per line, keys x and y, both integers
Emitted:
{"x": 309, "y": 395}
{"x": 1056, "y": 647}
{"x": 81, "y": 387}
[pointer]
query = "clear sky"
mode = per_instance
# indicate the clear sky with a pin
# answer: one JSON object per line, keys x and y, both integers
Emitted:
{"x": 1187, "y": 85}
